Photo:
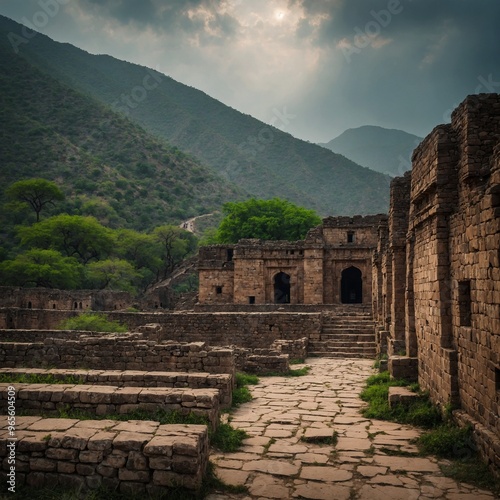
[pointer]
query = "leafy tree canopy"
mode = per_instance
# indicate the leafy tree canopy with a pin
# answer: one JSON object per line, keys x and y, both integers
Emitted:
{"x": 46, "y": 268}
{"x": 73, "y": 235}
{"x": 114, "y": 274}
{"x": 274, "y": 219}
{"x": 36, "y": 193}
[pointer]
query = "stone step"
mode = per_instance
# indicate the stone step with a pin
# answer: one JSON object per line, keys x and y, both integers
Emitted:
{"x": 128, "y": 378}
{"x": 348, "y": 337}
{"x": 326, "y": 347}
{"x": 339, "y": 354}
{"x": 348, "y": 330}
{"x": 104, "y": 399}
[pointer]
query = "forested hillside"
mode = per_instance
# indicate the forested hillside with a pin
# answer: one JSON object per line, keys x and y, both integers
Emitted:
{"x": 106, "y": 165}
{"x": 263, "y": 160}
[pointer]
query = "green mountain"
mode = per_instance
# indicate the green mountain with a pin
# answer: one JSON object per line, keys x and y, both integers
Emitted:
{"x": 385, "y": 150}
{"x": 261, "y": 159}
{"x": 107, "y": 165}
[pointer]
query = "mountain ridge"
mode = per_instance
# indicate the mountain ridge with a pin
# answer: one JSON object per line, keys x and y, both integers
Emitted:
{"x": 263, "y": 160}
{"x": 385, "y": 150}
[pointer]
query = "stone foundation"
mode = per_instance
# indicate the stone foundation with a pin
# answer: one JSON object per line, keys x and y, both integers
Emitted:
{"x": 132, "y": 457}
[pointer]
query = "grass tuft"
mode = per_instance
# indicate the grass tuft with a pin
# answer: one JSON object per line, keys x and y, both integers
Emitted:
{"x": 421, "y": 412}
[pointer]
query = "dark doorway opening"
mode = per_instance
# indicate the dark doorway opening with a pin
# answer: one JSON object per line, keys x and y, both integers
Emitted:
{"x": 351, "y": 286}
{"x": 282, "y": 288}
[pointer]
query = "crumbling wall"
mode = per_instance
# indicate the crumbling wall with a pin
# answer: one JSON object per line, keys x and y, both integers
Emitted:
{"x": 452, "y": 279}
{"x": 118, "y": 352}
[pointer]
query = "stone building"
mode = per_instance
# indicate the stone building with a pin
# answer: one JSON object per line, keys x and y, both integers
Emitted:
{"x": 437, "y": 272}
{"x": 333, "y": 265}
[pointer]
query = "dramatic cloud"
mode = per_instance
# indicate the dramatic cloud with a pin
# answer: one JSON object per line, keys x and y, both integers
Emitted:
{"x": 334, "y": 64}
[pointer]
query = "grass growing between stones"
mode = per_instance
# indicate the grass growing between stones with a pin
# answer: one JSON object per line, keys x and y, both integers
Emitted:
{"x": 444, "y": 439}
{"x": 421, "y": 412}
{"x": 457, "y": 445}
{"x": 241, "y": 394}
{"x": 227, "y": 439}
{"x": 329, "y": 440}
{"x": 299, "y": 372}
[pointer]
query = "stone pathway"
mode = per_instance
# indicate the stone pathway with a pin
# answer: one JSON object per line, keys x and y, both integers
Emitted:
{"x": 286, "y": 456}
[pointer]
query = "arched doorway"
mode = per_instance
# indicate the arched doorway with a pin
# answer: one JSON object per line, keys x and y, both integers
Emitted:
{"x": 282, "y": 288}
{"x": 351, "y": 286}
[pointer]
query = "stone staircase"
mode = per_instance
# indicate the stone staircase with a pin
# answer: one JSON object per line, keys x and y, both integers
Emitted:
{"x": 348, "y": 332}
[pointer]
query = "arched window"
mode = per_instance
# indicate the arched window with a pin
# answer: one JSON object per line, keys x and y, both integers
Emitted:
{"x": 282, "y": 288}
{"x": 351, "y": 286}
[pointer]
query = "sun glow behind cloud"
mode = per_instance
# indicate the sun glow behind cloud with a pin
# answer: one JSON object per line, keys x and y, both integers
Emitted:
{"x": 255, "y": 55}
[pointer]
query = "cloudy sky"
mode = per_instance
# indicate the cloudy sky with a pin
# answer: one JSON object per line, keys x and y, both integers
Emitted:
{"x": 329, "y": 64}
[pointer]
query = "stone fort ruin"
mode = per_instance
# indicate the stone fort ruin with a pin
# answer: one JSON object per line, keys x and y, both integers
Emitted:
{"x": 421, "y": 284}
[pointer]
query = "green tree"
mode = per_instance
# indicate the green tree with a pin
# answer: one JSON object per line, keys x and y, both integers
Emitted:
{"x": 274, "y": 219}
{"x": 73, "y": 235}
{"x": 42, "y": 268}
{"x": 143, "y": 251}
{"x": 36, "y": 193}
{"x": 113, "y": 274}
{"x": 176, "y": 245}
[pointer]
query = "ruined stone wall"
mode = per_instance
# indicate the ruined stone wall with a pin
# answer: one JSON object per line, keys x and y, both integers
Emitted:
{"x": 433, "y": 197}
{"x": 452, "y": 286}
{"x": 216, "y": 274}
{"x": 338, "y": 260}
{"x": 46, "y": 298}
{"x": 396, "y": 281}
{"x": 314, "y": 265}
{"x": 362, "y": 228}
{"x": 475, "y": 256}
{"x": 118, "y": 352}
{"x": 252, "y": 330}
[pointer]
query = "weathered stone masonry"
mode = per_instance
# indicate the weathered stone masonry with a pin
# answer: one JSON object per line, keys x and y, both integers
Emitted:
{"x": 331, "y": 266}
{"x": 442, "y": 268}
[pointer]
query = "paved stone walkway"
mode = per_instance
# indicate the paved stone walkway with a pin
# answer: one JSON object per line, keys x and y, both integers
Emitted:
{"x": 285, "y": 458}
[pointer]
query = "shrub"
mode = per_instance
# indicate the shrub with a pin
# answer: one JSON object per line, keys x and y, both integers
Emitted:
{"x": 93, "y": 322}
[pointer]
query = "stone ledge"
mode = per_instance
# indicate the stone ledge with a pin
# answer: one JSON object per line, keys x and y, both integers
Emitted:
{"x": 102, "y": 400}
{"x": 128, "y": 378}
{"x": 401, "y": 395}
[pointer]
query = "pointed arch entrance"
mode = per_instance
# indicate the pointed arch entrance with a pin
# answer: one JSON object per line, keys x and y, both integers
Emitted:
{"x": 351, "y": 286}
{"x": 282, "y": 288}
